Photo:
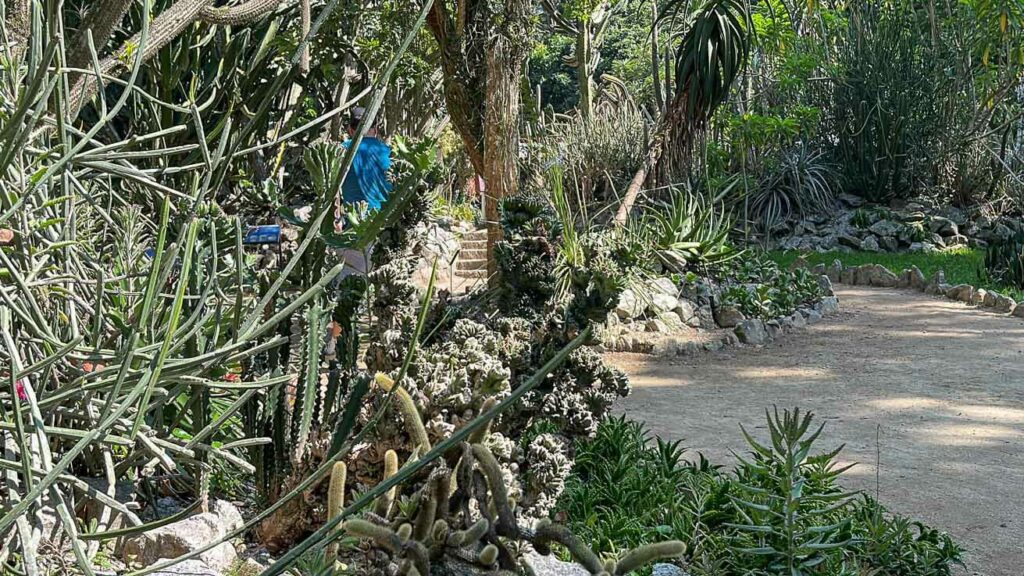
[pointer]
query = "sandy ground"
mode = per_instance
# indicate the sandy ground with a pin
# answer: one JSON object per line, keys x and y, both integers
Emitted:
{"x": 939, "y": 384}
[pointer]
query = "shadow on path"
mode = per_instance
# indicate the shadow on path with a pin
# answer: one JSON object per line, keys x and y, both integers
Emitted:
{"x": 940, "y": 386}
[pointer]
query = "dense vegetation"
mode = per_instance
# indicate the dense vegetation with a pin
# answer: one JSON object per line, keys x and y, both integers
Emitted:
{"x": 379, "y": 422}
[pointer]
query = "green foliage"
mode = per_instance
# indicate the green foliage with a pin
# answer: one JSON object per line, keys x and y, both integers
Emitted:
{"x": 779, "y": 512}
{"x": 1004, "y": 262}
{"x": 760, "y": 288}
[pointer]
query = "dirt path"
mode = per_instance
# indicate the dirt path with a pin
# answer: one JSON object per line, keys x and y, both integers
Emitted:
{"x": 941, "y": 383}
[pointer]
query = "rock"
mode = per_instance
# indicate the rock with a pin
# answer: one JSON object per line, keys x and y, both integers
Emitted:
{"x": 943, "y": 226}
{"x": 251, "y": 567}
{"x": 668, "y": 570}
{"x": 923, "y": 247}
{"x": 834, "y": 271}
{"x": 714, "y": 345}
{"x": 848, "y": 240}
{"x": 706, "y": 318}
{"x": 884, "y": 278}
{"x": 667, "y": 347}
{"x": 187, "y": 568}
{"x": 551, "y": 566}
{"x": 979, "y": 297}
{"x": 773, "y": 328}
{"x": 917, "y": 280}
{"x": 885, "y": 228}
{"x": 848, "y": 276}
{"x": 958, "y": 240}
{"x": 866, "y": 275}
{"x": 870, "y": 244}
{"x": 1018, "y": 310}
{"x": 813, "y": 316}
{"x": 179, "y": 538}
{"x": 752, "y": 331}
{"x": 961, "y": 292}
{"x": 728, "y": 316}
{"x": 1004, "y": 304}
{"x": 850, "y": 200}
{"x": 798, "y": 320}
{"x": 890, "y": 244}
{"x": 691, "y": 349}
{"x": 730, "y": 339}
{"x": 228, "y": 515}
{"x": 828, "y": 305}
{"x": 656, "y": 326}
{"x": 819, "y": 269}
{"x": 1002, "y": 232}
{"x": 629, "y": 306}
{"x": 989, "y": 301}
{"x": 687, "y": 312}
{"x": 826, "y": 285}
{"x": 904, "y": 279}
{"x": 932, "y": 286}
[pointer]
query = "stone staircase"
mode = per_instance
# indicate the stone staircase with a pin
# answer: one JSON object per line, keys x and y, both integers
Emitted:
{"x": 472, "y": 260}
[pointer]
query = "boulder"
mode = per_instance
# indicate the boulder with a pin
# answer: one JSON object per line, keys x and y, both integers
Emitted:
{"x": 773, "y": 328}
{"x": 797, "y": 320}
{"x": 828, "y": 305}
{"x": 932, "y": 286}
{"x": 943, "y": 226}
{"x": 1018, "y": 310}
{"x": 848, "y": 276}
{"x": 705, "y": 317}
{"x": 890, "y": 244}
{"x": 819, "y": 269}
{"x": 179, "y": 538}
{"x": 629, "y": 306}
{"x": 687, "y": 312}
{"x": 961, "y": 292}
{"x": 848, "y": 240}
{"x": 923, "y": 247}
{"x": 989, "y": 301}
{"x": 957, "y": 240}
{"x": 667, "y": 347}
{"x": 885, "y": 228}
{"x": 979, "y": 297}
{"x": 656, "y": 326}
{"x": 728, "y": 316}
{"x": 834, "y": 271}
{"x": 1001, "y": 232}
{"x": 850, "y": 200}
{"x": 884, "y": 278}
{"x": 906, "y": 277}
{"x": 714, "y": 345}
{"x": 752, "y": 331}
{"x": 917, "y": 280}
{"x": 813, "y": 316}
{"x": 1004, "y": 304}
{"x": 664, "y": 295}
{"x": 870, "y": 244}
{"x": 826, "y": 285}
{"x": 187, "y": 568}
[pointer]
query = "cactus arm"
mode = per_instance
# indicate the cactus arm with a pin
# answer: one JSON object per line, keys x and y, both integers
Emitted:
{"x": 383, "y": 505}
{"x": 336, "y": 500}
{"x": 410, "y": 414}
{"x": 639, "y": 557}
{"x": 499, "y": 492}
{"x": 548, "y": 532}
{"x": 240, "y": 15}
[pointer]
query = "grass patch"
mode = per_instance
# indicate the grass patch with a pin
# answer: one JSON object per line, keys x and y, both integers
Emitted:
{"x": 962, "y": 266}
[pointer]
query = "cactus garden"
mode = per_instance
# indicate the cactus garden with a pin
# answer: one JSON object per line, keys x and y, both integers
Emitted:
{"x": 334, "y": 287}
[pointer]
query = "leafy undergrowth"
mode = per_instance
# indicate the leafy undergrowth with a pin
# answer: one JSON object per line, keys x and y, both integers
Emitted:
{"x": 962, "y": 266}
{"x": 780, "y": 511}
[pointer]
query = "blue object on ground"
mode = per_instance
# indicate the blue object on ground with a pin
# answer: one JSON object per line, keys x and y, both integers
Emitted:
{"x": 267, "y": 234}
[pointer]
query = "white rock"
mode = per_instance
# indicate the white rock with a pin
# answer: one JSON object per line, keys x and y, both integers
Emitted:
{"x": 187, "y": 568}
{"x": 752, "y": 331}
{"x": 551, "y": 566}
{"x": 1018, "y": 311}
{"x": 179, "y": 538}
{"x": 729, "y": 316}
{"x": 629, "y": 306}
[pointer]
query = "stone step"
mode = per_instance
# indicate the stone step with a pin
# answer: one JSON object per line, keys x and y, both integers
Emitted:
{"x": 472, "y": 273}
{"x": 480, "y": 234}
{"x": 473, "y": 254}
{"x": 471, "y": 265}
{"x": 474, "y": 245}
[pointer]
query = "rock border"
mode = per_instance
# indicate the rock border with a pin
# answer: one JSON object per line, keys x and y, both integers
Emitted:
{"x": 879, "y": 276}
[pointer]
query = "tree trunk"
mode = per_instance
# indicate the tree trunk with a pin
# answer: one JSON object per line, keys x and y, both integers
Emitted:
{"x": 505, "y": 59}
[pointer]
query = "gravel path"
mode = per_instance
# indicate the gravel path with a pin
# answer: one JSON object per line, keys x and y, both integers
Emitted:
{"x": 939, "y": 384}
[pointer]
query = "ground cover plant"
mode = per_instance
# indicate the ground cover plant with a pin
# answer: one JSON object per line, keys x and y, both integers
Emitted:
{"x": 778, "y": 509}
{"x": 961, "y": 265}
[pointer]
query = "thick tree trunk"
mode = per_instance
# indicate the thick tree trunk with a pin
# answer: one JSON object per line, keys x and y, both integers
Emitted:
{"x": 102, "y": 19}
{"x": 585, "y": 68}
{"x": 505, "y": 59}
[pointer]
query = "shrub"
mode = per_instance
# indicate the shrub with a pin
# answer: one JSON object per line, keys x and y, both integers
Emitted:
{"x": 780, "y": 511}
{"x": 760, "y": 288}
{"x": 1004, "y": 261}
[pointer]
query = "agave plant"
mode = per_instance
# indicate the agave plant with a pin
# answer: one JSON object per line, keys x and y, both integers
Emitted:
{"x": 688, "y": 230}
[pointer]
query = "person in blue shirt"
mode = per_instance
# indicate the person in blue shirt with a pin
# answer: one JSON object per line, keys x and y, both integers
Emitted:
{"x": 367, "y": 180}
{"x": 366, "y": 185}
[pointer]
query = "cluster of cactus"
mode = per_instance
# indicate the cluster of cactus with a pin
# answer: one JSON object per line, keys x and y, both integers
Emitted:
{"x": 463, "y": 517}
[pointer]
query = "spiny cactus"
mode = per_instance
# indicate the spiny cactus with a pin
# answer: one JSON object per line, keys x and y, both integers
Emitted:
{"x": 336, "y": 500}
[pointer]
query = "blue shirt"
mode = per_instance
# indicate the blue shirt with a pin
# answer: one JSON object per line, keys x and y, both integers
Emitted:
{"x": 367, "y": 180}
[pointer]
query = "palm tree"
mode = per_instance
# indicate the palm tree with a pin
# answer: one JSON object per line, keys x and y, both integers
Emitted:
{"x": 710, "y": 56}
